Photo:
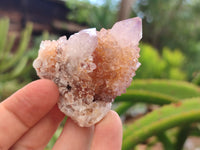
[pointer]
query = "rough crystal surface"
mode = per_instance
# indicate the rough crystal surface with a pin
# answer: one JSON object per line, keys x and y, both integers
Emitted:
{"x": 91, "y": 68}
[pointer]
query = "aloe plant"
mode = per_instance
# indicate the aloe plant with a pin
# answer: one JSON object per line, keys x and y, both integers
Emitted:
{"x": 12, "y": 61}
{"x": 16, "y": 60}
{"x": 154, "y": 91}
{"x": 160, "y": 120}
{"x": 146, "y": 97}
{"x": 177, "y": 89}
{"x": 160, "y": 92}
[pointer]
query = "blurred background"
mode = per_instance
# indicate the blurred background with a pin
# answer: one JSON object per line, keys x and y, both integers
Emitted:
{"x": 170, "y": 47}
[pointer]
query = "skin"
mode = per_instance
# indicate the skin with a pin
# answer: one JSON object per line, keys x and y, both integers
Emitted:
{"x": 29, "y": 118}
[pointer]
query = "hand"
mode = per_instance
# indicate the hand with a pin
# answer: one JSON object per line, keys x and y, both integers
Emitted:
{"x": 29, "y": 118}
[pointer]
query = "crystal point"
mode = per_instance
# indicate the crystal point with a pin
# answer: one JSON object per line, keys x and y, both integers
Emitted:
{"x": 128, "y": 31}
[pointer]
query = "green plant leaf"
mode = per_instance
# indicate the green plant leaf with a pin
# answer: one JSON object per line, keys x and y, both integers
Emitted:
{"x": 181, "y": 137}
{"x": 165, "y": 140}
{"x": 4, "y": 26}
{"x": 20, "y": 50}
{"x": 184, "y": 112}
{"x": 16, "y": 72}
{"x": 145, "y": 97}
{"x": 8, "y": 47}
{"x": 176, "y": 89}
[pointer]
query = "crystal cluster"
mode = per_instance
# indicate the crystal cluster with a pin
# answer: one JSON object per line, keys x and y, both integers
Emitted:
{"x": 91, "y": 68}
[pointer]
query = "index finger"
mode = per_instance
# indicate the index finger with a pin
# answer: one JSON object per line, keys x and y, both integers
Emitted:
{"x": 25, "y": 108}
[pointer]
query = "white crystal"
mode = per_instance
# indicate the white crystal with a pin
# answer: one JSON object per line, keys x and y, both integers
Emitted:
{"x": 128, "y": 31}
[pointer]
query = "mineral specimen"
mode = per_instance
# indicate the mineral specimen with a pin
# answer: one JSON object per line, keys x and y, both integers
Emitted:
{"x": 91, "y": 68}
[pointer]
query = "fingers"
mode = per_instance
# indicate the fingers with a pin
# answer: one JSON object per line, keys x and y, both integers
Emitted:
{"x": 38, "y": 136}
{"x": 74, "y": 137}
{"x": 24, "y": 108}
{"x": 108, "y": 133}
{"x": 21, "y": 111}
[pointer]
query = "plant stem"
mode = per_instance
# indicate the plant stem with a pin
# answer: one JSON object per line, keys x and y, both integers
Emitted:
{"x": 181, "y": 137}
{"x": 166, "y": 142}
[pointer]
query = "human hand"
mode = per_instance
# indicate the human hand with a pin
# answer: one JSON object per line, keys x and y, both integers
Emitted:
{"x": 29, "y": 118}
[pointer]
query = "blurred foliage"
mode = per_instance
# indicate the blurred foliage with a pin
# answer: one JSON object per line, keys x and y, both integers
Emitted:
{"x": 159, "y": 121}
{"x": 180, "y": 114}
{"x": 152, "y": 65}
{"x": 172, "y": 24}
{"x": 196, "y": 79}
{"x": 53, "y": 139}
{"x": 83, "y": 12}
{"x": 15, "y": 59}
{"x": 12, "y": 64}
{"x": 167, "y": 65}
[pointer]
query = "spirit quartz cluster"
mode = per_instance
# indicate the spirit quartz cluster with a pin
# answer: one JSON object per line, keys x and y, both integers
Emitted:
{"x": 91, "y": 68}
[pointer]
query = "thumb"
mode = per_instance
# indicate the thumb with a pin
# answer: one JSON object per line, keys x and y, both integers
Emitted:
{"x": 24, "y": 108}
